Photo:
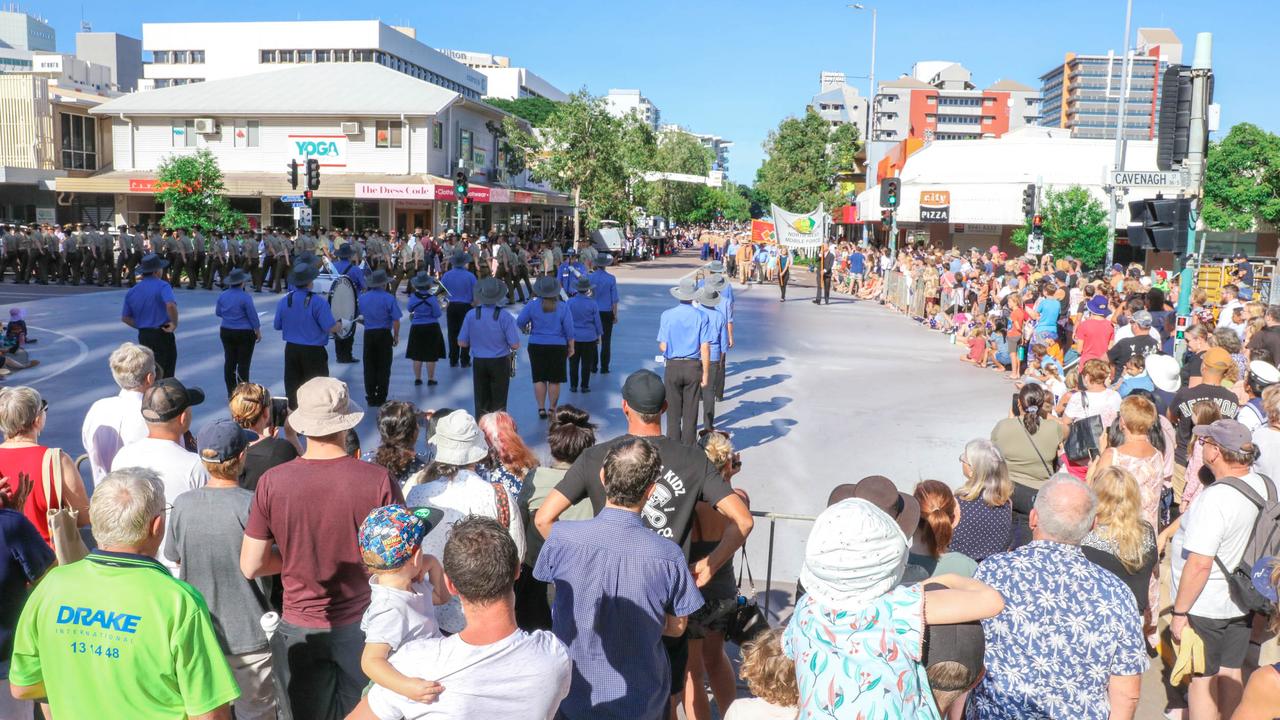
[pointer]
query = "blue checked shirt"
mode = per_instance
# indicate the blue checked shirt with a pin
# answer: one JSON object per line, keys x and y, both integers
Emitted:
{"x": 1067, "y": 626}
{"x": 616, "y": 581}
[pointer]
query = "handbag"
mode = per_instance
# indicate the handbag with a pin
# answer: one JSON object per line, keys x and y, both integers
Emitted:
{"x": 68, "y": 545}
{"x": 747, "y": 619}
{"x": 1081, "y": 445}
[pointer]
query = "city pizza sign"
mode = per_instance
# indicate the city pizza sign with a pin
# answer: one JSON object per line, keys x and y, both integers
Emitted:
{"x": 330, "y": 150}
{"x": 935, "y": 206}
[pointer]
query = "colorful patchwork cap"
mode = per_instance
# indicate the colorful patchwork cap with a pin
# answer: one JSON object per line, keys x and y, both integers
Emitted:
{"x": 389, "y": 535}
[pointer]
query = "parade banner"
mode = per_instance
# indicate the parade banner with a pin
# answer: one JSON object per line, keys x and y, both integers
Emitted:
{"x": 801, "y": 231}
{"x": 762, "y": 232}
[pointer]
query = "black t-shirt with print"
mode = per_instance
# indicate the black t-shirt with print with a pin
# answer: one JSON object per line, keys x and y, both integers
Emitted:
{"x": 1143, "y": 345}
{"x": 1184, "y": 403}
{"x": 687, "y": 476}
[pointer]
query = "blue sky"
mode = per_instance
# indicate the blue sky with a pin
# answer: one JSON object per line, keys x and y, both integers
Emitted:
{"x": 736, "y": 68}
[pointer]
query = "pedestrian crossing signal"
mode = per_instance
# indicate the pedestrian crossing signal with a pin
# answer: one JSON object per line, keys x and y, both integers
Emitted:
{"x": 293, "y": 174}
{"x": 313, "y": 174}
{"x": 890, "y": 192}
{"x": 460, "y": 186}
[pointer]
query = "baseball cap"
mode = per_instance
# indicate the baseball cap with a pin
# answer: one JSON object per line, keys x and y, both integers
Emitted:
{"x": 961, "y": 643}
{"x": 1098, "y": 305}
{"x": 1142, "y": 318}
{"x": 644, "y": 392}
{"x": 1216, "y": 359}
{"x": 390, "y": 534}
{"x": 1227, "y": 434}
{"x": 222, "y": 440}
{"x": 167, "y": 399}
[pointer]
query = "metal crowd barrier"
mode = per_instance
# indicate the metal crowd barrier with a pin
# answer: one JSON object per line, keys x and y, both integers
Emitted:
{"x": 895, "y": 289}
{"x": 773, "y": 519}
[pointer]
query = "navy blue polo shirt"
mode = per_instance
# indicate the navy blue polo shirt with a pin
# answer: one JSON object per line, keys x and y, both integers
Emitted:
{"x": 146, "y": 302}
{"x": 379, "y": 309}
{"x": 306, "y": 320}
{"x": 236, "y": 308}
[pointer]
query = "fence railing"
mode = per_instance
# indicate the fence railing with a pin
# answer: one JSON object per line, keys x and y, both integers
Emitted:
{"x": 773, "y": 519}
{"x": 895, "y": 288}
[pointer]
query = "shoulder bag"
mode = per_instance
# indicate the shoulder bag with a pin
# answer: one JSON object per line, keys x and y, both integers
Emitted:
{"x": 1081, "y": 445}
{"x": 1036, "y": 449}
{"x": 503, "y": 503}
{"x": 747, "y": 619}
{"x": 68, "y": 545}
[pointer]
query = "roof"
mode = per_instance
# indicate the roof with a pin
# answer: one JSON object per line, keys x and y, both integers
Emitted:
{"x": 344, "y": 89}
{"x": 1012, "y": 86}
{"x": 846, "y": 95}
{"x": 1159, "y": 35}
{"x": 906, "y": 81}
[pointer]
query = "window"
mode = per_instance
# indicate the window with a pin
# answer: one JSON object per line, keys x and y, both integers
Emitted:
{"x": 197, "y": 57}
{"x": 180, "y": 57}
{"x": 79, "y": 142}
{"x": 160, "y": 57}
{"x": 286, "y": 56}
{"x": 387, "y": 134}
{"x": 267, "y": 56}
{"x": 246, "y": 133}
{"x": 361, "y": 55}
{"x": 322, "y": 56}
{"x": 464, "y": 144}
{"x": 355, "y": 214}
{"x": 339, "y": 55}
{"x": 437, "y": 135}
{"x": 184, "y": 133}
{"x": 306, "y": 56}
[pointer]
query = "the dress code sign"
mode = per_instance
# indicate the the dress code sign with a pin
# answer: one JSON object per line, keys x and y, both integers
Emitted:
{"x": 935, "y": 206}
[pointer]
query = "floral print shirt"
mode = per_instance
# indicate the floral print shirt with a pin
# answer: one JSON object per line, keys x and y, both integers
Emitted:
{"x": 1068, "y": 625}
{"x": 861, "y": 663}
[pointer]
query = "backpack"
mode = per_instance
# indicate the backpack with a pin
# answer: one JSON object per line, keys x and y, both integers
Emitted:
{"x": 1264, "y": 542}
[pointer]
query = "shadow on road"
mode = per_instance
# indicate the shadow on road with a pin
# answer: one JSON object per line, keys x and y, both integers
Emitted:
{"x": 737, "y": 368}
{"x": 753, "y": 383}
{"x": 757, "y": 435}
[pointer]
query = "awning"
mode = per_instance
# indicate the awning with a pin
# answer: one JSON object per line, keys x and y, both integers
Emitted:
{"x": 334, "y": 185}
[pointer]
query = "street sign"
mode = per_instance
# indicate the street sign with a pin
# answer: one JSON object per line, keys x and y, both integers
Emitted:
{"x": 300, "y": 203}
{"x": 1147, "y": 178}
{"x": 1035, "y": 244}
{"x": 303, "y": 215}
{"x": 935, "y": 206}
{"x": 293, "y": 198}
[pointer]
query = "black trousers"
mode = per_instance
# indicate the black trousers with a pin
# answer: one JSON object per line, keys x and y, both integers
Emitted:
{"x": 13, "y": 258}
{"x": 164, "y": 347}
{"x": 301, "y": 363}
{"x": 455, "y": 313}
{"x": 490, "y": 379}
{"x": 824, "y": 287}
{"x": 237, "y": 354}
{"x": 606, "y": 340}
{"x": 714, "y": 388}
{"x": 344, "y": 348}
{"x": 69, "y": 267}
{"x": 683, "y": 379}
{"x": 318, "y": 670}
{"x": 377, "y": 364}
{"x": 533, "y": 609}
{"x": 783, "y": 278}
{"x": 581, "y": 364}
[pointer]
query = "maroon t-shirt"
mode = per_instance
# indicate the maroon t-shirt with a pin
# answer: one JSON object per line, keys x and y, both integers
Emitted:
{"x": 312, "y": 510}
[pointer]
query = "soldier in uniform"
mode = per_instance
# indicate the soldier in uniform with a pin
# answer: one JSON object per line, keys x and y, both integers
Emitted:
{"x": 130, "y": 254}
{"x": 105, "y": 262}
{"x": 68, "y": 256}
{"x": 251, "y": 257}
{"x": 522, "y": 258}
{"x": 12, "y": 258}
{"x": 82, "y": 256}
{"x": 217, "y": 258}
{"x": 193, "y": 246}
{"x": 412, "y": 260}
{"x": 277, "y": 260}
{"x": 37, "y": 257}
{"x": 174, "y": 255}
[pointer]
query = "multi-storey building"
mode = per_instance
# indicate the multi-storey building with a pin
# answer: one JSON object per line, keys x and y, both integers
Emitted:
{"x": 939, "y": 101}
{"x": 838, "y": 102}
{"x": 120, "y": 54}
{"x": 624, "y": 102}
{"x": 718, "y": 146}
{"x": 506, "y": 82}
{"x": 1083, "y": 93}
{"x": 192, "y": 52}
{"x": 22, "y": 35}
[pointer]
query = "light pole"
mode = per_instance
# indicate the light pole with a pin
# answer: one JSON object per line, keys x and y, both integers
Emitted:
{"x": 871, "y": 98}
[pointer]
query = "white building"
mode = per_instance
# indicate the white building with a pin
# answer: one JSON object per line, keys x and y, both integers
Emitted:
{"x": 718, "y": 146}
{"x": 839, "y": 103}
{"x": 506, "y": 82}
{"x": 120, "y": 53}
{"x": 21, "y": 36}
{"x": 388, "y": 145}
{"x": 623, "y": 102}
{"x": 192, "y": 52}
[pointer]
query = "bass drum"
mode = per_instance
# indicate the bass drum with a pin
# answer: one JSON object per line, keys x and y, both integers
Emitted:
{"x": 341, "y": 294}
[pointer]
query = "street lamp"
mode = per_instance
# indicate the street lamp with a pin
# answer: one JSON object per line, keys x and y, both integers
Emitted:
{"x": 871, "y": 98}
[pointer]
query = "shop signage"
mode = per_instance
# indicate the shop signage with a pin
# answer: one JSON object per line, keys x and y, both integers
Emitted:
{"x": 935, "y": 206}
{"x": 499, "y": 195}
{"x": 521, "y": 198}
{"x": 977, "y": 229}
{"x": 141, "y": 185}
{"x": 330, "y": 150}
{"x": 46, "y": 215}
{"x": 395, "y": 191}
{"x": 477, "y": 193}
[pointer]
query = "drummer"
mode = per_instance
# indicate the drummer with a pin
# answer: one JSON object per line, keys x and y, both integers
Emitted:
{"x": 490, "y": 333}
{"x": 306, "y": 322}
{"x": 459, "y": 283}
{"x": 426, "y": 342}
{"x": 569, "y": 272}
{"x": 381, "y": 333}
{"x": 343, "y": 347}
{"x": 240, "y": 329}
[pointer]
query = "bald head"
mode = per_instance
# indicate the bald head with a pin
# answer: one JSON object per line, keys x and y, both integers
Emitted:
{"x": 1064, "y": 510}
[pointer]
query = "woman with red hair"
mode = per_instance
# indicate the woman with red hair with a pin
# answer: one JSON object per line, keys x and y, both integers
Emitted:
{"x": 510, "y": 460}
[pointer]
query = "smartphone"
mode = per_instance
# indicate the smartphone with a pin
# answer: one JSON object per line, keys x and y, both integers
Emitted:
{"x": 279, "y": 411}
{"x": 1017, "y": 410}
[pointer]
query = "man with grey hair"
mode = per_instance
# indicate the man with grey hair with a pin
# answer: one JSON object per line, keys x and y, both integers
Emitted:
{"x": 116, "y": 421}
{"x": 1069, "y": 642}
{"x": 115, "y": 636}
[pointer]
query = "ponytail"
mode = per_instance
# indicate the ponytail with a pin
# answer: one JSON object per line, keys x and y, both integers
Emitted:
{"x": 1032, "y": 400}
{"x": 937, "y": 510}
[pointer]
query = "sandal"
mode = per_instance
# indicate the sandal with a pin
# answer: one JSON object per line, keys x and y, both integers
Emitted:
{"x": 542, "y": 414}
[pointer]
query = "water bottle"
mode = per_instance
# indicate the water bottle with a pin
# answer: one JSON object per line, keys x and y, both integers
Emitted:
{"x": 269, "y": 622}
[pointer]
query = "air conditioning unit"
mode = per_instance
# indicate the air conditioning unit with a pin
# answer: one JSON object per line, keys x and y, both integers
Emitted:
{"x": 351, "y": 128}
{"x": 206, "y": 126}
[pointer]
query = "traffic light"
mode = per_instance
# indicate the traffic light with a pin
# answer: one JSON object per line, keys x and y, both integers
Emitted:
{"x": 313, "y": 174}
{"x": 1159, "y": 223}
{"x": 890, "y": 192}
{"x": 1029, "y": 200}
{"x": 460, "y": 186}
{"x": 293, "y": 174}
{"x": 307, "y": 195}
{"x": 1175, "y": 117}
{"x": 1037, "y": 224}
{"x": 886, "y": 218}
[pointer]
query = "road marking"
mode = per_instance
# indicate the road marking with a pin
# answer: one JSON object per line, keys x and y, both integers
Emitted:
{"x": 83, "y": 353}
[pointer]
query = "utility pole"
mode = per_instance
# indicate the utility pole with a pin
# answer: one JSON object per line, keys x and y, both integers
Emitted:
{"x": 1193, "y": 167}
{"x": 1126, "y": 66}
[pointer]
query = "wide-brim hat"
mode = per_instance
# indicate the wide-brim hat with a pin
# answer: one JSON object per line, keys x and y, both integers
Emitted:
{"x": 345, "y": 251}
{"x": 854, "y": 553}
{"x": 881, "y": 492}
{"x": 324, "y": 408}
{"x": 717, "y": 282}
{"x": 460, "y": 258}
{"x": 708, "y": 296}
{"x": 546, "y": 287}
{"x": 490, "y": 291}
{"x": 1164, "y": 372}
{"x": 377, "y": 278}
{"x": 237, "y": 277}
{"x": 584, "y": 284}
{"x": 303, "y": 273}
{"x": 151, "y": 262}
{"x": 686, "y": 290}
{"x": 424, "y": 282}
{"x": 715, "y": 267}
{"x": 458, "y": 440}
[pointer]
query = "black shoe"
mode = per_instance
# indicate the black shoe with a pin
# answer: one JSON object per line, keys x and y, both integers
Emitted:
{"x": 466, "y": 364}
{"x": 815, "y": 302}
{"x": 453, "y": 363}
{"x": 605, "y": 371}
{"x": 573, "y": 389}
{"x": 417, "y": 381}
{"x": 542, "y": 414}
{"x": 586, "y": 389}
{"x": 432, "y": 382}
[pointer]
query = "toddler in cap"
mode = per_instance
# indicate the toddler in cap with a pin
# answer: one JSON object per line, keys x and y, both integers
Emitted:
{"x": 405, "y": 586}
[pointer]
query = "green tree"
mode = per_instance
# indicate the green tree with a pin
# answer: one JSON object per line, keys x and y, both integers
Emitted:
{"x": 191, "y": 190}
{"x": 803, "y": 158}
{"x": 679, "y": 152}
{"x": 1075, "y": 224}
{"x": 1242, "y": 180}
{"x": 534, "y": 109}
{"x": 729, "y": 202}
